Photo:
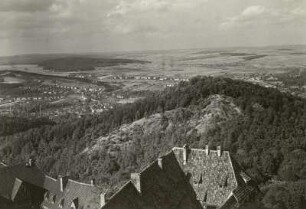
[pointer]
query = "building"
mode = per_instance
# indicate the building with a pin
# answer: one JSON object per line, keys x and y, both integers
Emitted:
{"x": 183, "y": 178}
{"x": 187, "y": 178}
{"x": 25, "y": 186}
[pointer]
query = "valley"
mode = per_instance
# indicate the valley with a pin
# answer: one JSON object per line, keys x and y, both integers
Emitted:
{"x": 106, "y": 123}
{"x": 28, "y": 88}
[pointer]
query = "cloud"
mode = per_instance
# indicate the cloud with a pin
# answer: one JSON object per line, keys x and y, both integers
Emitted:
{"x": 139, "y": 24}
{"x": 155, "y": 17}
{"x": 253, "y": 11}
{"x": 25, "y": 5}
{"x": 261, "y": 15}
{"x": 139, "y": 6}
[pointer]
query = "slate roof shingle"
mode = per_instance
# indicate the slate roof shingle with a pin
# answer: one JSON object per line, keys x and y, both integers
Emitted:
{"x": 13, "y": 177}
{"x": 186, "y": 178}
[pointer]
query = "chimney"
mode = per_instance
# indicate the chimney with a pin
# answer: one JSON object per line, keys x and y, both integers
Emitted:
{"x": 207, "y": 149}
{"x": 102, "y": 199}
{"x": 135, "y": 178}
{"x": 185, "y": 153}
{"x": 219, "y": 151}
{"x": 92, "y": 182}
{"x": 160, "y": 162}
{"x": 63, "y": 180}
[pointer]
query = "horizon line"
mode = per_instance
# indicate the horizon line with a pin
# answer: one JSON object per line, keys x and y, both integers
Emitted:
{"x": 147, "y": 50}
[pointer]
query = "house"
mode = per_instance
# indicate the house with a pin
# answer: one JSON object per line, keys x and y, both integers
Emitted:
{"x": 66, "y": 193}
{"x": 216, "y": 177}
{"x": 25, "y": 186}
{"x": 21, "y": 186}
{"x": 182, "y": 178}
{"x": 187, "y": 178}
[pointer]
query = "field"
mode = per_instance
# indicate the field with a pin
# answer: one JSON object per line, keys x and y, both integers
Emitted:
{"x": 100, "y": 81}
{"x": 89, "y": 118}
{"x": 223, "y": 61}
{"x": 184, "y": 63}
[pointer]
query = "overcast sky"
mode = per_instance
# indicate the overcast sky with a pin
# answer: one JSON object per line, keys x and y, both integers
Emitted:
{"x": 44, "y": 26}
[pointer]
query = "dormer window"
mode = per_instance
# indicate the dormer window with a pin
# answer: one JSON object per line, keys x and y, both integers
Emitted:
{"x": 74, "y": 204}
{"x": 61, "y": 203}
{"x": 53, "y": 199}
{"x": 226, "y": 182}
{"x": 198, "y": 180}
{"x": 47, "y": 196}
{"x": 189, "y": 177}
{"x": 205, "y": 197}
{"x": 201, "y": 179}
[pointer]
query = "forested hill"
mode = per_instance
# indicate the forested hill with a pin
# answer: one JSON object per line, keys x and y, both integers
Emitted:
{"x": 263, "y": 127}
{"x": 67, "y": 64}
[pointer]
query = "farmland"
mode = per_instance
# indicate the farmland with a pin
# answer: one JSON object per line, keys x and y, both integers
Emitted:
{"x": 77, "y": 85}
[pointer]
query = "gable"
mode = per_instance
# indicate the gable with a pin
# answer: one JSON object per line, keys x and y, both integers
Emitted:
{"x": 210, "y": 173}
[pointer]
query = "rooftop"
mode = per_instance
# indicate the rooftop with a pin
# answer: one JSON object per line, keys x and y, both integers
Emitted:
{"x": 182, "y": 178}
{"x": 62, "y": 191}
{"x": 186, "y": 178}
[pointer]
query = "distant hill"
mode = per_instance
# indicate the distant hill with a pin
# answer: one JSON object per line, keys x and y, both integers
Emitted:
{"x": 83, "y": 63}
{"x": 67, "y": 62}
{"x": 30, "y": 58}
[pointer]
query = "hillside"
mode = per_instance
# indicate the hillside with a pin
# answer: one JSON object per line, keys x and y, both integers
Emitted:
{"x": 83, "y": 63}
{"x": 196, "y": 121}
{"x": 262, "y": 127}
{"x": 12, "y": 125}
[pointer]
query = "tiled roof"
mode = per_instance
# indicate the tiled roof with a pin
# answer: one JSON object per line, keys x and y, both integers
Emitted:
{"x": 126, "y": 197}
{"x": 212, "y": 176}
{"x": 87, "y": 195}
{"x": 8, "y": 175}
{"x": 237, "y": 170}
{"x": 231, "y": 202}
{"x": 160, "y": 185}
{"x": 243, "y": 193}
{"x": 186, "y": 178}
{"x": 12, "y": 177}
{"x": 183, "y": 178}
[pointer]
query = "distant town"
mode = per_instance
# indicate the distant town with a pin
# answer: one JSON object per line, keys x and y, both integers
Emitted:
{"x": 48, "y": 97}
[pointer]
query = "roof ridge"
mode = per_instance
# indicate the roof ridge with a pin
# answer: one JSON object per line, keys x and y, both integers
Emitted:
{"x": 120, "y": 189}
{"x": 139, "y": 173}
{"x": 82, "y": 183}
{"x": 154, "y": 161}
{"x": 199, "y": 149}
{"x": 49, "y": 177}
{"x": 236, "y": 170}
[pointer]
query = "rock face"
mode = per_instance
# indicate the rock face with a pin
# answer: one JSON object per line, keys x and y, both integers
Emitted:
{"x": 187, "y": 178}
{"x": 218, "y": 110}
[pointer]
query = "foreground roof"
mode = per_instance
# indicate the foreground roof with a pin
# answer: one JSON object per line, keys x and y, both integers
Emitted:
{"x": 187, "y": 178}
{"x": 55, "y": 193}
{"x": 182, "y": 178}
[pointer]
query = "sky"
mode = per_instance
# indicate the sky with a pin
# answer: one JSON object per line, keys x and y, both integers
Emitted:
{"x": 77, "y": 26}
